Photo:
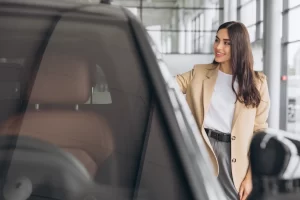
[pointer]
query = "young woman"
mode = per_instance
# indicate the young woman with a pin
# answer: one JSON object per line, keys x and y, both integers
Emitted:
{"x": 230, "y": 102}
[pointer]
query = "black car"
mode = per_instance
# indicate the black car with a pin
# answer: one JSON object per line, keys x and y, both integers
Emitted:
{"x": 90, "y": 111}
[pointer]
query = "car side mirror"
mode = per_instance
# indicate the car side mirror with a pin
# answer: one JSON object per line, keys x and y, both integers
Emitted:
{"x": 275, "y": 164}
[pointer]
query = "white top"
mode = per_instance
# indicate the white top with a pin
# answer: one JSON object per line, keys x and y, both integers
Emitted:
{"x": 221, "y": 109}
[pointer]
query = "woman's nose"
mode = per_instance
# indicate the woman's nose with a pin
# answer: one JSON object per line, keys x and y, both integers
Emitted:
{"x": 219, "y": 45}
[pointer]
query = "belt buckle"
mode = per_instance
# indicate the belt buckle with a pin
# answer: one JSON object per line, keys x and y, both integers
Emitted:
{"x": 223, "y": 137}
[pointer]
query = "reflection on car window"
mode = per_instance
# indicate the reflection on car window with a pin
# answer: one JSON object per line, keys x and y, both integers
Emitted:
{"x": 99, "y": 91}
{"x": 191, "y": 139}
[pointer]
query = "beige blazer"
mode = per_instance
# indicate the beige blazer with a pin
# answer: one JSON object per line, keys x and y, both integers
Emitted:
{"x": 198, "y": 85}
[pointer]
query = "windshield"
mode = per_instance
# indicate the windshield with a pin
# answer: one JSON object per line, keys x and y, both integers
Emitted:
{"x": 74, "y": 99}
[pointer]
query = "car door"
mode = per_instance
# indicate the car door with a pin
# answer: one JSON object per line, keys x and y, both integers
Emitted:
{"x": 94, "y": 92}
{"x": 176, "y": 164}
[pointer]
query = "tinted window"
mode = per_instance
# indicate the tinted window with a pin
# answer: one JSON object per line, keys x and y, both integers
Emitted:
{"x": 162, "y": 176}
{"x": 79, "y": 86}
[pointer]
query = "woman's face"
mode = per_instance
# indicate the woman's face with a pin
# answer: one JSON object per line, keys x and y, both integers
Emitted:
{"x": 222, "y": 46}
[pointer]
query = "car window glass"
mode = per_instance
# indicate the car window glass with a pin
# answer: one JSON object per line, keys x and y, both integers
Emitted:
{"x": 78, "y": 102}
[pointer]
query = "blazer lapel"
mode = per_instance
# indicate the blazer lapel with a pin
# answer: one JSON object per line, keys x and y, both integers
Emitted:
{"x": 208, "y": 87}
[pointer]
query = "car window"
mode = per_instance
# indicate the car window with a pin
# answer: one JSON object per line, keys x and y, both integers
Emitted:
{"x": 77, "y": 105}
{"x": 162, "y": 175}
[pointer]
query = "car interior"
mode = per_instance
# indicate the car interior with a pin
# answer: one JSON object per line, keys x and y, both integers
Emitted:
{"x": 50, "y": 79}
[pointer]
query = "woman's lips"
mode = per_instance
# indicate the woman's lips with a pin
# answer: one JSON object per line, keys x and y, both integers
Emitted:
{"x": 219, "y": 54}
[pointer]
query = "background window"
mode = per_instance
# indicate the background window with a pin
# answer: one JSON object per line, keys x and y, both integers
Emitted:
{"x": 242, "y": 2}
{"x": 293, "y": 3}
{"x": 252, "y": 31}
{"x": 248, "y": 13}
{"x": 293, "y": 115}
{"x": 294, "y": 16}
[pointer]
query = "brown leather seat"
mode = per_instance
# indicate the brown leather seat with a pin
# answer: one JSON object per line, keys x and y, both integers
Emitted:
{"x": 64, "y": 83}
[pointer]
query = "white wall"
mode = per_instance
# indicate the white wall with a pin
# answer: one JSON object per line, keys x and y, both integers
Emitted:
{"x": 179, "y": 63}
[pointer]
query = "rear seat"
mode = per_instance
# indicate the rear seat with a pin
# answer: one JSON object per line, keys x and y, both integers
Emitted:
{"x": 61, "y": 86}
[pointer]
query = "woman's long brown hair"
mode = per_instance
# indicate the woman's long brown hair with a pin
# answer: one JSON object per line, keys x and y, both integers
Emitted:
{"x": 242, "y": 64}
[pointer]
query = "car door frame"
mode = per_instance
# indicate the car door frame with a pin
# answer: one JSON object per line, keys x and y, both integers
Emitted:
{"x": 185, "y": 136}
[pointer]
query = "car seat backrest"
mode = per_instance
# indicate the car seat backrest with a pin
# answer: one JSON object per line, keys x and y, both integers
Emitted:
{"x": 64, "y": 81}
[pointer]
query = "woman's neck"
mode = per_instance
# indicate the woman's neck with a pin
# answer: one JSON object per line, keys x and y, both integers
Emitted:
{"x": 226, "y": 68}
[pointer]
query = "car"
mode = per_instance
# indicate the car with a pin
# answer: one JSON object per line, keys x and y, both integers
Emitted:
{"x": 89, "y": 109}
{"x": 274, "y": 157}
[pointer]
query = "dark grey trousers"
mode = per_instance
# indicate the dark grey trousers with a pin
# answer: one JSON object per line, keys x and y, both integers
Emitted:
{"x": 223, "y": 152}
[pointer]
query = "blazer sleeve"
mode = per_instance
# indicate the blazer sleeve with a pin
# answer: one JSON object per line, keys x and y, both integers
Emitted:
{"x": 262, "y": 111}
{"x": 184, "y": 80}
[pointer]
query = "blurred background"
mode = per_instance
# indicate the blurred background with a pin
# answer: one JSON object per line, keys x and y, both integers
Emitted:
{"x": 184, "y": 31}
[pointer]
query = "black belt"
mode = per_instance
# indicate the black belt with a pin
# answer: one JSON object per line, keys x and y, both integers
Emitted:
{"x": 223, "y": 137}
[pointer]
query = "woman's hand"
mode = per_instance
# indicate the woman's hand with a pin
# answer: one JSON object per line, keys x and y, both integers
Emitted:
{"x": 246, "y": 188}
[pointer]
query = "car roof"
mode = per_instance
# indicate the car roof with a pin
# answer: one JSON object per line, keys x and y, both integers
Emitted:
{"x": 112, "y": 11}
